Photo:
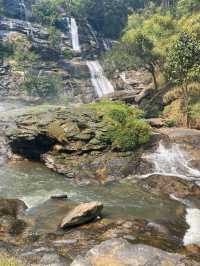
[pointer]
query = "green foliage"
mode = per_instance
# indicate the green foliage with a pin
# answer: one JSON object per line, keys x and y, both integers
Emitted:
{"x": 141, "y": 48}
{"x": 125, "y": 128}
{"x": 54, "y": 39}
{"x": 177, "y": 107}
{"x": 6, "y": 50}
{"x": 106, "y": 16}
{"x": 22, "y": 51}
{"x": 117, "y": 59}
{"x": 42, "y": 85}
{"x": 47, "y": 11}
{"x": 187, "y": 6}
{"x": 190, "y": 24}
{"x": 183, "y": 60}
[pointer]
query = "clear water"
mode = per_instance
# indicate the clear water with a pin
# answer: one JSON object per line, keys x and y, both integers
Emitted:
{"x": 34, "y": 183}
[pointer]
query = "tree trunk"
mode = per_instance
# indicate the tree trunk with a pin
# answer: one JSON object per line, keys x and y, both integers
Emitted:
{"x": 186, "y": 105}
{"x": 151, "y": 69}
{"x": 154, "y": 79}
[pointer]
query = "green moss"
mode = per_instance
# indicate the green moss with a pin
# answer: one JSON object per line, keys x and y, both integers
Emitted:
{"x": 125, "y": 128}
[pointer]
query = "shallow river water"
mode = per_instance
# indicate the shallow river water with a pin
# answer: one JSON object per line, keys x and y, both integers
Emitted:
{"x": 34, "y": 184}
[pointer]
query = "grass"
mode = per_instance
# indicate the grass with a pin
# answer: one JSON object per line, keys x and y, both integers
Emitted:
{"x": 125, "y": 127}
{"x": 6, "y": 260}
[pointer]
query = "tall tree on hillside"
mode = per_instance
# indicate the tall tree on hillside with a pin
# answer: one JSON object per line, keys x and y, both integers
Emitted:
{"x": 141, "y": 49}
{"x": 183, "y": 67}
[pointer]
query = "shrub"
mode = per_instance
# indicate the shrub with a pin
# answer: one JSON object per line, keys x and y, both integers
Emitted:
{"x": 42, "y": 86}
{"x": 125, "y": 128}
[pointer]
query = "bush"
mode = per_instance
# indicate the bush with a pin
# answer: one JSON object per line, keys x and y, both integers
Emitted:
{"x": 125, "y": 128}
{"x": 42, "y": 86}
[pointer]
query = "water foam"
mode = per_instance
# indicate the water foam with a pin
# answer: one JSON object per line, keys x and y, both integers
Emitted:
{"x": 100, "y": 82}
{"x": 172, "y": 161}
{"x": 192, "y": 235}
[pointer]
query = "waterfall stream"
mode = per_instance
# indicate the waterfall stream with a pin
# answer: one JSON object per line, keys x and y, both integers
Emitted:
{"x": 172, "y": 161}
{"x": 101, "y": 84}
{"x": 74, "y": 35}
{"x": 23, "y": 12}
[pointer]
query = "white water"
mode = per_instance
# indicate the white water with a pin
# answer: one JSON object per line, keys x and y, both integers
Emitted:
{"x": 101, "y": 84}
{"x": 192, "y": 235}
{"x": 11, "y": 25}
{"x": 23, "y": 8}
{"x": 172, "y": 161}
{"x": 74, "y": 35}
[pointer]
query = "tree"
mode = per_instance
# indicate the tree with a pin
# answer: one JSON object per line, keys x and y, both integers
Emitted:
{"x": 6, "y": 50}
{"x": 183, "y": 66}
{"x": 42, "y": 85}
{"x": 47, "y": 11}
{"x": 141, "y": 48}
{"x": 108, "y": 17}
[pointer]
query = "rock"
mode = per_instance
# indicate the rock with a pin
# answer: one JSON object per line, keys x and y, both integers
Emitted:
{"x": 194, "y": 249}
{"x": 170, "y": 185}
{"x": 81, "y": 214}
{"x": 59, "y": 197}
{"x": 156, "y": 122}
{"x": 69, "y": 141}
{"x": 12, "y": 207}
{"x": 11, "y": 213}
{"x": 119, "y": 252}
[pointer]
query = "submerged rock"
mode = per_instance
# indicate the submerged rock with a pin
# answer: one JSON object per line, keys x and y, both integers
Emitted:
{"x": 11, "y": 213}
{"x": 81, "y": 214}
{"x": 12, "y": 207}
{"x": 119, "y": 252}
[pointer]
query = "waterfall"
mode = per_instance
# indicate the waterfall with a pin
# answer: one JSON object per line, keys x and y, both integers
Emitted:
{"x": 22, "y": 9}
{"x": 101, "y": 84}
{"x": 74, "y": 35}
{"x": 172, "y": 161}
{"x": 192, "y": 235}
{"x": 11, "y": 25}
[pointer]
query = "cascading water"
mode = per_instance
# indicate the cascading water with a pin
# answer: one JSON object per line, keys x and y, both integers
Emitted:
{"x": 172, "y": 161}
{"x": 23, "y": 12}
{"x": 101, "y": 84}
{"x": 192, "y": 235}
{"x": 74, "y": 35}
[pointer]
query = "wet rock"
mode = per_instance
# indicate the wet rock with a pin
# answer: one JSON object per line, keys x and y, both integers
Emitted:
{"x": 170, "y": 185}
{"x": 194, "y": 249}
{"x": 69, "y": 141}
{"x": 119, "y": 252}
{"x": 11, "y": 213}
{"x": 81, "y": 214}
{"x": 160, "y": 228}
{"x": 59, "y": 197}
{"x": 12, "y": 207}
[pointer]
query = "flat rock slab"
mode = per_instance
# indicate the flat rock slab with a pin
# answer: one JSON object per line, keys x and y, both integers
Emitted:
{"x": 83, "y": 213}
{"x": 119, "y": 252}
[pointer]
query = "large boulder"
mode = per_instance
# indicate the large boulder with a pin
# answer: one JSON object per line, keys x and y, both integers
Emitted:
{"x": 81, "y": 214}
{"x": 69, "y": 141}
{"x": 119, "y": 252}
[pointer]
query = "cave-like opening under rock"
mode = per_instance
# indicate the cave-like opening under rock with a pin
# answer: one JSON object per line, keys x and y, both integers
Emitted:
{"x": 32, "y": 148}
